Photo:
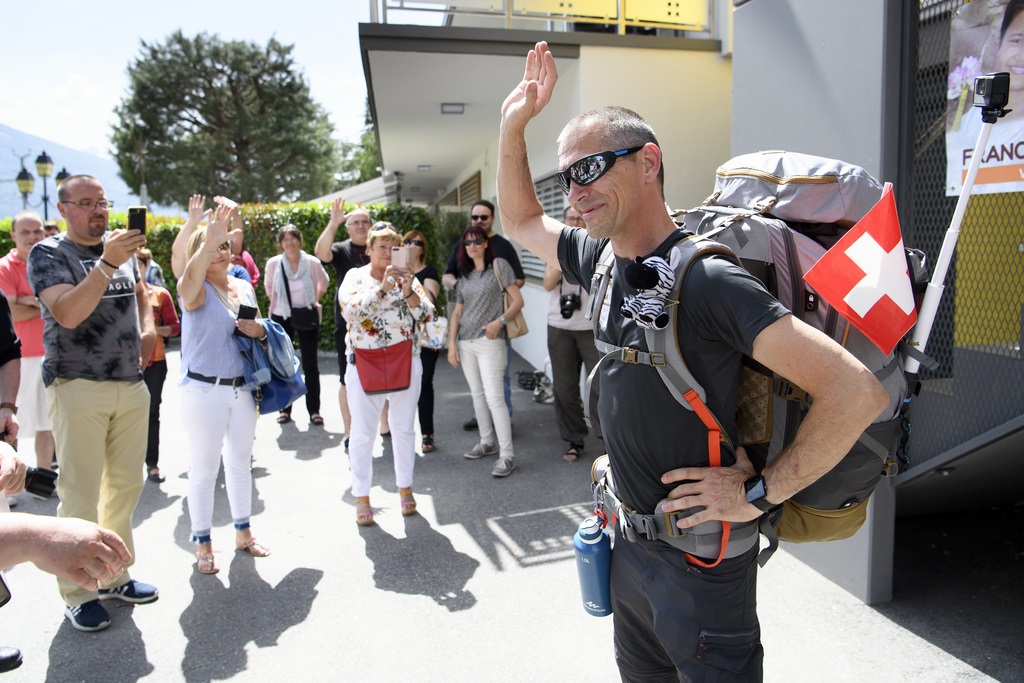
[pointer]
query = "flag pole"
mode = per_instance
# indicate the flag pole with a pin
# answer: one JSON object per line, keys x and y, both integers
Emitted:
{"x": 936, "y": 286}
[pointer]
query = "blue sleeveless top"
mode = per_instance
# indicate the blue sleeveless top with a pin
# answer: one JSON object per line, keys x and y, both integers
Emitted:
{"x": 206, "y": 344}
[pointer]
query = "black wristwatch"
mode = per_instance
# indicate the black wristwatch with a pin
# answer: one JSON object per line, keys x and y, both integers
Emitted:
{"x": 757, "y": 493}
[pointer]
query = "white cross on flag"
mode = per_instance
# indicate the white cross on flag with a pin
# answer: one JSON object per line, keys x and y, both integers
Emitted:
{"x": 865, "y": 276}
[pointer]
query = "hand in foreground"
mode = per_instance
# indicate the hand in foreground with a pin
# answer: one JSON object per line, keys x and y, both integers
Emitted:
{"x": 78, "y": 550}
{"x": 12, "y": 471}
{"x": 534, "y": 92}
{"x": 453, "y": 355}
{"x": 719, "y": 490}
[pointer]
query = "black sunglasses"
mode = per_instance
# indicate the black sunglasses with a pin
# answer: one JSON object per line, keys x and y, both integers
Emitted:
{"x": 588, "y": 169}
{"x": 418, "y": 243}
{"x": 479, "y": 218}
{"x": 473, "y": 243}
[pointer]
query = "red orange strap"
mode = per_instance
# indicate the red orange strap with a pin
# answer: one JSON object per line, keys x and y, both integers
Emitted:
{"x": 715, "y": 460}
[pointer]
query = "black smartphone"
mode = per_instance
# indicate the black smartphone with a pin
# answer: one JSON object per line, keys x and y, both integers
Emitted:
{"x": 137, "y": 219}
{"x": 246, "y": 312}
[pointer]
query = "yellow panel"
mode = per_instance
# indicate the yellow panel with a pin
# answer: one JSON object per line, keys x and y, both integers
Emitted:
{"x": 989, "y": 272}
{"x": 601, "y": 9}
{"x": 689, "y": 12}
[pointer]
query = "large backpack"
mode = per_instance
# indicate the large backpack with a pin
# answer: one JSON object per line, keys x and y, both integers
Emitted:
{"x": 778, "y": 212}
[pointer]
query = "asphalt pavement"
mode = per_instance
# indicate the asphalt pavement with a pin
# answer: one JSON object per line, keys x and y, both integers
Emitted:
{"x": 480, "y": 585}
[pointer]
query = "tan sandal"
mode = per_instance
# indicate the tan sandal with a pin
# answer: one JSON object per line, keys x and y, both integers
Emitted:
{"x": 205, "y": 561}
{"x": 408, "y": 502}
{"x": 254, "y": 548}
{"x": 364, "y": 512}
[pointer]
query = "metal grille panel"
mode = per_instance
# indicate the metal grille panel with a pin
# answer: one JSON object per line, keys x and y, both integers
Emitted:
{"x": 977, "y": 333}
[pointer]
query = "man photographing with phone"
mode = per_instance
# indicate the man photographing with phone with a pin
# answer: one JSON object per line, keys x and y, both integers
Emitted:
{"x": 98, "y": 334}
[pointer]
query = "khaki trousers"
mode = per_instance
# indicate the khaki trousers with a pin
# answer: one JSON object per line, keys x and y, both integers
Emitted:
{"x": 100, "y": 430}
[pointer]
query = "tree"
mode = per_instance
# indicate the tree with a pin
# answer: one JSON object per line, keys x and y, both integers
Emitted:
{"x": 359, "y": 162}
{"x": 214, "y": 117}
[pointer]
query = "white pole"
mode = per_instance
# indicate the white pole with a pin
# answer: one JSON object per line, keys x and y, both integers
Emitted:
{"x": 933, "y": 294}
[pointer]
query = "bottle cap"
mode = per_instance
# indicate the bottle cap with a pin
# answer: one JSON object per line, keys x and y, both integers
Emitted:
{"x": 590, "y": 530}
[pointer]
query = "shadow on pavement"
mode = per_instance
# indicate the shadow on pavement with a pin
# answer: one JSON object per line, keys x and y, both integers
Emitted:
{"x": 78, "y": 656}
{"x": 221, "y": 620}
{"x": 398, "y": 565}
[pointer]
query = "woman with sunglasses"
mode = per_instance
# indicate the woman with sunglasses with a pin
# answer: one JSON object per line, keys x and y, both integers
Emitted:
{"x": 383, "y": 306}
{"x": 431, "y": 281}
{"x": 219, "y": 416}
{"x": 296, "y": 280}
{"x": 476, "y": 338}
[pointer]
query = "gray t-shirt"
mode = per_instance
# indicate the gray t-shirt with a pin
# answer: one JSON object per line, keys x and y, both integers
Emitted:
{"x": 482, "y": 298}
{"x": 646, "y": 431}
{"x": 107, "y": 345}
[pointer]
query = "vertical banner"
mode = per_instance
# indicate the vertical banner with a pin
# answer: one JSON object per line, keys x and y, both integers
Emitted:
{"x": 985, "y": 36}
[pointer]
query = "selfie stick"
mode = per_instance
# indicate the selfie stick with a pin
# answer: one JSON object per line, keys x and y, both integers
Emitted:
{"x": 933, "y": 294}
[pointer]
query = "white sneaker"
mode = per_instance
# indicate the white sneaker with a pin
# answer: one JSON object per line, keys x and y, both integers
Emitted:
{"x": 503, "y": 467}
{"x": 480, "y": 450}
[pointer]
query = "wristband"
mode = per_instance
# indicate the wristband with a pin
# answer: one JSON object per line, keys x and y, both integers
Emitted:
{"x": 108, "y": 263}
{"x": 409, "y": 296}
{"x": 102, "y": 272}
{"x": 10, "y": 406}
{"x": 503, "y": 321}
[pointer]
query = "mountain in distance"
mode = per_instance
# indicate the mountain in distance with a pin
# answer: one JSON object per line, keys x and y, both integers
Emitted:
{"x": 14, "y": 143}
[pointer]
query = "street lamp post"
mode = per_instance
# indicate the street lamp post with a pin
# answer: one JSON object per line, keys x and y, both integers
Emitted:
{"x": 44, "y": 165}
{"x": 25, "y": 184}
{"x": 26, "y": 181}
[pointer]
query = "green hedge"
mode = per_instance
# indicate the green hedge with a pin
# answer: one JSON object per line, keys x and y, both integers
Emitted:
{"x": 261, "y": 224}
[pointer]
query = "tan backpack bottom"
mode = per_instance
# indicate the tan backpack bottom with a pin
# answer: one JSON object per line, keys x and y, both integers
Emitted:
{"x": 803, "y": 524}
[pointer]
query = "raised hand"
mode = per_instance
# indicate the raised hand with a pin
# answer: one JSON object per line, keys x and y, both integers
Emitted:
{"x": 338, "y": 211}
{"x": 217, "y": 231}
{"x": 196, "y": 208}
{"x": 534, "y": 92}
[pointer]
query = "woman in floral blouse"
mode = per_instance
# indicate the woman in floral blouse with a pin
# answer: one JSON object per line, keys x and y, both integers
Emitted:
{"x": 383, "y": 306}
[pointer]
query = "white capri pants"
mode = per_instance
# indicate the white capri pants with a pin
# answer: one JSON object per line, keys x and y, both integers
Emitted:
{"x": 366, "y": 409}
{"x": 217, "y": 418}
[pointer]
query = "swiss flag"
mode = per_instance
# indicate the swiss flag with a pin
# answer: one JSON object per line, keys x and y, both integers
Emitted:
{"x": 866, "y": 279}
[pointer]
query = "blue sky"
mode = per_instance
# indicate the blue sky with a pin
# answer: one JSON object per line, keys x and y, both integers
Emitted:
{"x": 64, "y": 63}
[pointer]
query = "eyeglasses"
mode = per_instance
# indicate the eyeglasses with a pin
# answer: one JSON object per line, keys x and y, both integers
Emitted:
{"x": 381, "y": 225}
{"x": 473, "y": 243}
{"x": 479, "y": 218}
{"x": 418, "y": 243}
{"x": 588, "y": 169}
{"x": 88, "y": 204}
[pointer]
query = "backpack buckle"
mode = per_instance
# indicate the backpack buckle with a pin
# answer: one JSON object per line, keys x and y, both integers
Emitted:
{"x": 670, "y": 525}
{"x": 630, "y": 355}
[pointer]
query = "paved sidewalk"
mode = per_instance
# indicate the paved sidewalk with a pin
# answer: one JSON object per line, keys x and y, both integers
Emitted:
{"x": 479, "y": 586}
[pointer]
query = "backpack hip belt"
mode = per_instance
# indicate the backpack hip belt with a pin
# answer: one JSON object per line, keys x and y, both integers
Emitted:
{"x": 703, "y": 540}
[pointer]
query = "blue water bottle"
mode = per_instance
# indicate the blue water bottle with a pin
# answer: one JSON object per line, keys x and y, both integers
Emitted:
{"x": 593, "y": 563}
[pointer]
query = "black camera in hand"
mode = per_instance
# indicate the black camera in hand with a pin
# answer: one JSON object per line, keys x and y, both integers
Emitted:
{"x": 569, "y": 304}
{"x": 41, "y": 483}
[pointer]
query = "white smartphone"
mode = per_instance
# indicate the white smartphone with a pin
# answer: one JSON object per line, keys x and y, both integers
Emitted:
{"x": 400, "y": 257}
